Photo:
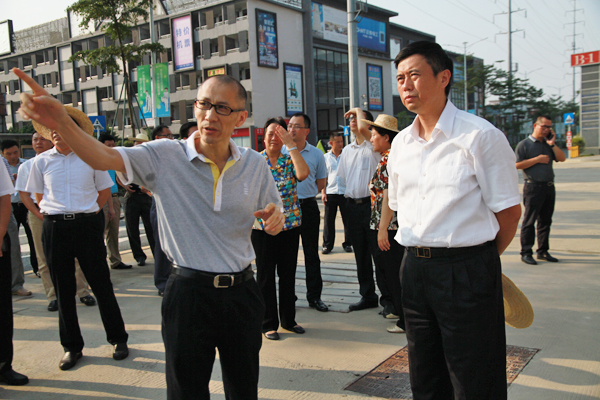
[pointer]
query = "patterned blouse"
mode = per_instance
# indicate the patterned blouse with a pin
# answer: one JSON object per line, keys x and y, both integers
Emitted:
{"x": 284, "y": 174}
{"x": 376, "y": 187}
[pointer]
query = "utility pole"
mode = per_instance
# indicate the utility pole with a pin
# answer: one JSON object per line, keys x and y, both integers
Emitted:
{"x": 510, "y": 32}
{"x": 353, "y": 54}
{"x": 574, "y": 48}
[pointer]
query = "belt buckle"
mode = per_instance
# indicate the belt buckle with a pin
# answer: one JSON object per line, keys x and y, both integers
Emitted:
{"x": 217, "y": 281}
{"x": 425, "y": 253}
{"x": 69, "y": 216}
{"x": 550, "y": 183}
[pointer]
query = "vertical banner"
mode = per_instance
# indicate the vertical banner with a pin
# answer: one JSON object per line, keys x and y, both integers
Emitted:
{"x": 161, "y": 85}
{"x": 294, "y": 97}
{"x": 183, "y": 49}
{"x": 144, "y": 87}
{"x": 374, "y": 87}
{"x": 266, "y": 37}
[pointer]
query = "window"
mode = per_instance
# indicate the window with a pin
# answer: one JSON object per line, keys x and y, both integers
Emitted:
{"x": 331, "y": 72}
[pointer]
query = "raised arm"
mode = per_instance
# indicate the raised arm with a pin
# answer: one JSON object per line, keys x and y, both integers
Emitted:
{"x": 302, "y": 169}
{"x": 363, "y": 128}
{"x": 48, "y": 111}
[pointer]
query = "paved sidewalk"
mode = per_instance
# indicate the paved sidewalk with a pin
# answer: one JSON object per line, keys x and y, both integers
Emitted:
{"x": 339, "y": 346}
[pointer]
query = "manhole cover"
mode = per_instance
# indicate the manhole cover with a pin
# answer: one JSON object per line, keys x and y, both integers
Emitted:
{"x": 390, "y": 379}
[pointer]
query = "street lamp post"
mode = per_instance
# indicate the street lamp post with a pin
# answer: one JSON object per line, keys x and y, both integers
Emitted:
{"x": 465, "y": 68}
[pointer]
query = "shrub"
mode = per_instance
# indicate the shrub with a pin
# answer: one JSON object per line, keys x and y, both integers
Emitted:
{"x": 578, "y": 141}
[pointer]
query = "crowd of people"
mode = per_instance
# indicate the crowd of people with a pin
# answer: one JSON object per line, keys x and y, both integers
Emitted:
{"x": 431, "y": 207}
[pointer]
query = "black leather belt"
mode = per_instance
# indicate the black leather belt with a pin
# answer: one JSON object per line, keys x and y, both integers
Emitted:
{"x": 68, "y": 217}
{"x": 549, "y": 183}
{"x": 213, "y": 279}
{"x": 307, "y": 200}
{"x": 434, "y": 252}
{"x": 362, "y": 200}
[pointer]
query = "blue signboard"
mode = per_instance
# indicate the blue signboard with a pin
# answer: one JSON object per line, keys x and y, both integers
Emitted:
{"x": 99, "y": 123}
{"x": 569, "y": 118}
{"x": 371, "y": 35}
{"x": 346, "y": 130}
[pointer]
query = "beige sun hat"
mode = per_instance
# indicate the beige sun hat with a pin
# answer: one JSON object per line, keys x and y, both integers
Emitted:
{"x": 384, "y": 121}
{"x": 82, "y": 120}
{"x": 141, "y": 137}
{"x": 518, "y": 312}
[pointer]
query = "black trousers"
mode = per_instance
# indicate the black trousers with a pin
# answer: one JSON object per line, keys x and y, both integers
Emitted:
{"x": 197, "y": 319}
{"x": 279, "y": 254}
{"x": 454, "y": 315}
{"x": 162, "y": 265}
{"x": 334, "y": 201}
{"x": 359, "y": 216}
{"x": 138, "y": 205}
{"x": 539, "y": 202}
{"x": 21, "y": 212}
{"x": 81, "y": 238}
{"x": 6, "y": 311}
{"x": 309, "y": 231}
{"x": 387, "y": 272}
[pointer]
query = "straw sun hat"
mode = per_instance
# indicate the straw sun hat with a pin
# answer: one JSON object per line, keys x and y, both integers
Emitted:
{"x": 82, "y": 120}
{"x": 518, "y": 312}
{"x": 141, "y": 137}
{"x": 384, "y": 121}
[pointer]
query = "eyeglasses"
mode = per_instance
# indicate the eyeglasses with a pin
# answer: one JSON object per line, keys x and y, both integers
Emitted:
{"x": 220, "y": 109}
{"x": 168, "y": 135}
{"x": 545, "y": 126}
{"x": 352, "y": 117}
{"x": 295, "y": 127}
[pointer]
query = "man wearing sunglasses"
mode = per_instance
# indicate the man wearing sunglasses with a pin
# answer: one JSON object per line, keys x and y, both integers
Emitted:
{"x": 534, "y": 156}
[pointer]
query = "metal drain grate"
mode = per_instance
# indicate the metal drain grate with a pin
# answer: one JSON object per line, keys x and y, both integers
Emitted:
{"x": 390, "y": 379}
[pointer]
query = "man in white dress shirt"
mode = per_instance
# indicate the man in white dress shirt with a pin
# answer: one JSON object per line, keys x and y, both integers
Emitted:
{"x": 453, "y": 182}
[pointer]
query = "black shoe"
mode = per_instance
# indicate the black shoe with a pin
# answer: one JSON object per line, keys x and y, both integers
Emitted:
{"x": 326, "y": 250}
{"x": 546, "y": 256}
{"x": 13, "y": 378}
{"x": 528, "y": 259}
{"x": 297, "y": 329}
{"x": 121, "y": 351}
{"x": 318, "y": 304}
{"x": 53, "y": 305}
{"x": 389, "y": 312}
{"x": 121, "y": 265}
{"x": 271, "y": 335}
{"x": 363, "y": 304}
{"x": 88, "y": 300}
{"x": 69, "y": 360}
{"x": 348, "y": 249}
{"x": 141, "y": 261}
{"x": 161, "y": 293}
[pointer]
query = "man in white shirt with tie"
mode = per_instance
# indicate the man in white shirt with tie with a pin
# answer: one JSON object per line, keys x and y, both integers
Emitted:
{"x": 453, "y": 182}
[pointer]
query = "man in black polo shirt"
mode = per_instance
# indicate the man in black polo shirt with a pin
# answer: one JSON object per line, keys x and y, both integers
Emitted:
{"x": 534, "y": 156}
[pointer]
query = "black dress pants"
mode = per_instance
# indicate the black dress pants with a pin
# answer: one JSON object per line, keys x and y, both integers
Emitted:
{"x": 334, "y": 201}
{"x": 21, "y": 212}
{"x": 454, "y": 315}
{"x": 81, "y": 238}
{"x": 6, "y": 311}
{"x": 538, "y": 199}
{"x": 197, "y": 319}
{"x": 387, "y": 272}
{"x": 162, "y": 265}
{"x": 309, "y": 231}
{"x": 279, "y": 254}
{"x": 359, "y": 216}
{"x": 138, "y": 205}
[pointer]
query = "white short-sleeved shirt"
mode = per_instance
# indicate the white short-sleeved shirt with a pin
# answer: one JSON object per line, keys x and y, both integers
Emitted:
{"x": 68, "y": 184}
{"x": 22, "y": 177}
{"x": 6, "y": 186}
{"x": 357, "y": 166}
{"x": 447, "y": 190}
{"x": 335, "y": 184}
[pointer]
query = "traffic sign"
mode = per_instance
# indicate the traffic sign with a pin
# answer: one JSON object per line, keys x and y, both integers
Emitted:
{"x": 569, "y": 118}
{"x": 346, "y": 131}
{"x": 569, "y": 139}
{"x": 99, "y": 123}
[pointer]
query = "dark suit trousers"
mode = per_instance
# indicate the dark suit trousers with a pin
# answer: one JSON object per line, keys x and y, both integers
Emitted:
{"x": 454, "y": 315}
{"x": 309, "y": 231}
{"x": 279, "y": 254}
{"x": 21, "y": 212}
{"x": 81, "y": 238}
{"x": 138, "y": 205}
{"x": 162, "y": 265}
{"x": 539, "y": 202}
{"x": 197, "y": 319}
{"x": 331, "y": 205}
{"x": 387, "y": 272}
{"x": 6, "y": 311}
{"x": 358, "y": 226}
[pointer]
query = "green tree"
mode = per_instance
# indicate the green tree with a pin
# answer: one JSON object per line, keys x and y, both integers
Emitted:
{"x": 116, "y": 18}
{"x": 27, "y": 128}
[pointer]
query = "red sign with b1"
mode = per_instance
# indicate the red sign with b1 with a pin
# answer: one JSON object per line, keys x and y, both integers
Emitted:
{"x": 591, "y": 57}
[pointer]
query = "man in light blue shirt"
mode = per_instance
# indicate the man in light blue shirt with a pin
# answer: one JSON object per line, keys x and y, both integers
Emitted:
{"x": 299, "y": 127}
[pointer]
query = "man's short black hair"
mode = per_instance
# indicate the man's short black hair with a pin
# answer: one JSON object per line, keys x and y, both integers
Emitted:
{"x": 433, "y": 53}
{"x": 368, "y": 116}
{"x": 106, "y": 137}
{"x": 334, "y": 135}
{"x": 275, "y": 120}
{"x": 158, "y": 130}
{"x": 539, "y": 118}
{"x": 7, "y": 144}
{"x": 229, "y": 80}
{"x": 382, "y": 131}
{"x": 305, "y": 117}
{"x": 183, "y": 131}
